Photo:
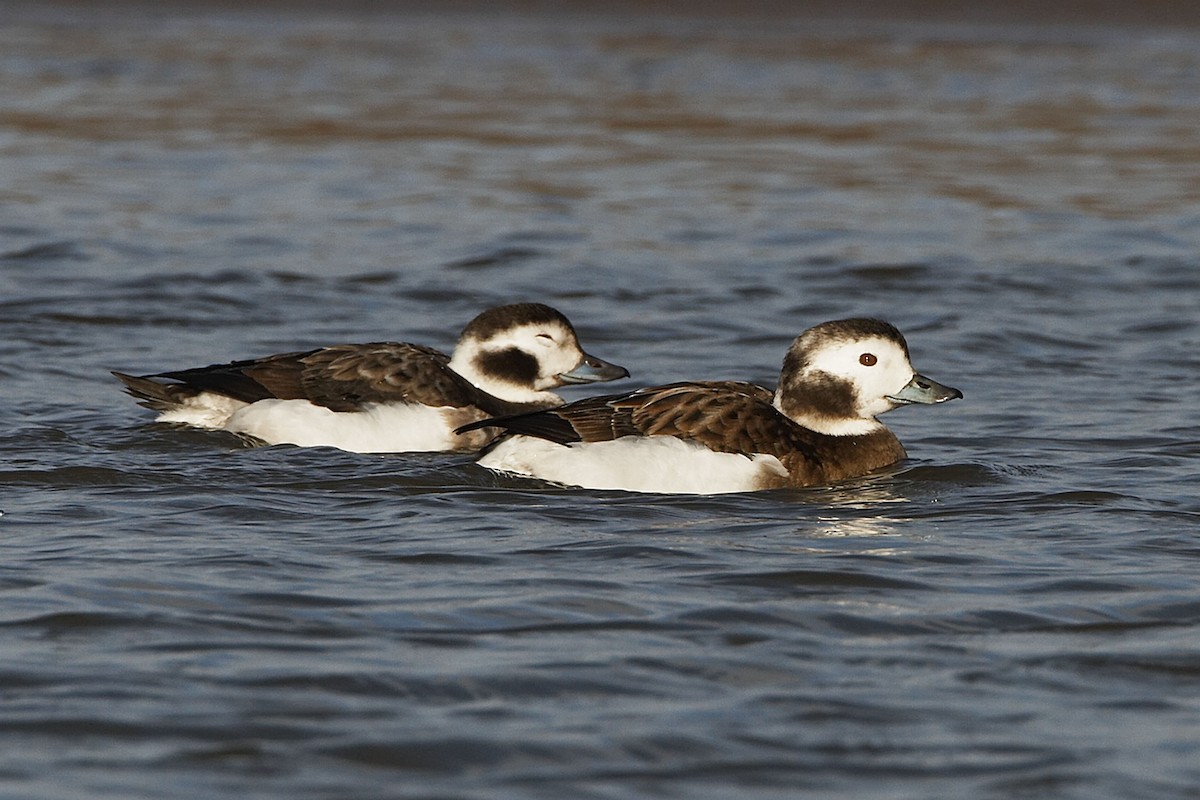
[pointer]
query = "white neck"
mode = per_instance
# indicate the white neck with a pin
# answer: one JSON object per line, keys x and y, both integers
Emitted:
{"x": 852, "y": 426}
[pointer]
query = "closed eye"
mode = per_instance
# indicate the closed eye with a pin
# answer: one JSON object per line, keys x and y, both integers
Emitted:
{"x": 545, "y": 339}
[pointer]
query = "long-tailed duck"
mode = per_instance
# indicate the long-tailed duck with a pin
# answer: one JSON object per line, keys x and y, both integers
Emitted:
{"x": 384, "y": 396}
{"x": 707, "y": 437}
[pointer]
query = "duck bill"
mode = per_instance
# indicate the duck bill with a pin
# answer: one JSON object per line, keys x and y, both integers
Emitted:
{"x": 925, "y": 391}
{"x": 593, "y": 370}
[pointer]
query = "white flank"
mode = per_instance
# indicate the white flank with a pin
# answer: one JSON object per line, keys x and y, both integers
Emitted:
{"x": 661, "y": 464}
{"x": 375, "y": 429}
{"x": 205, "y": 410}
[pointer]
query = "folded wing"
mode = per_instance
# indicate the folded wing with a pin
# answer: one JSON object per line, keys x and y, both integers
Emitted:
{"x": 344, "y": 378}
{"x": 724, "y": 416}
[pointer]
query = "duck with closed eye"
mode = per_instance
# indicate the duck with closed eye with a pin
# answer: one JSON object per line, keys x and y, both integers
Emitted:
{"x": 384, "y": 396}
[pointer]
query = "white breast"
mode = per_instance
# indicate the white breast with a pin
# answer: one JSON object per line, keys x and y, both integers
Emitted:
{"x": 661, "y": 464}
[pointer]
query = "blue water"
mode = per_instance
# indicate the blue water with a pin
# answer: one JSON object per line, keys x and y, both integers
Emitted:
{"x": 1014, "y": 612}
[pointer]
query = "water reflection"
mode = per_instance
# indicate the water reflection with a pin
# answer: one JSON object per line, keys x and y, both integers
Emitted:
{"x": 843, "y": 527}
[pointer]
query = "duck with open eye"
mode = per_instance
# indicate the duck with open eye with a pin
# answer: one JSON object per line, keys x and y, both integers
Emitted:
{"x": 703, "y": 437}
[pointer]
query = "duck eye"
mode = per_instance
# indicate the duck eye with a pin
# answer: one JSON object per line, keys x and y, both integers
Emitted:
{"x": 545, "y": 339}
{"x": 868, "y": 359}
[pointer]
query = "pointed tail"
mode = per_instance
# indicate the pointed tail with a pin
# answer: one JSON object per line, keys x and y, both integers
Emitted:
{"x": 153, "y": 394}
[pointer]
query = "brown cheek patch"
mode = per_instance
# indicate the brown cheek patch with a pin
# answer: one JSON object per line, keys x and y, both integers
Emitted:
{"x": 512, "y": 365}
{"x": 823, "y": 396}
{"x": 832, "y": 397}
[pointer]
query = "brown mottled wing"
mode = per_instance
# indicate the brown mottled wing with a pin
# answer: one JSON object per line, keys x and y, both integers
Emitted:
{"x": 344, "y": 377}
{"x": 725, "y": 416}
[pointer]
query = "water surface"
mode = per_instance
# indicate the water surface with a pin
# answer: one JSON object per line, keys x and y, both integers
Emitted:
{"x": 1011, "y": 613}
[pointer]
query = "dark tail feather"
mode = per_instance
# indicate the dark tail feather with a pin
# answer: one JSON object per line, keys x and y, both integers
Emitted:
{"x": 154, "y": 395}
{"x": 541, "y": 424}
{"x": 491, "y": 422}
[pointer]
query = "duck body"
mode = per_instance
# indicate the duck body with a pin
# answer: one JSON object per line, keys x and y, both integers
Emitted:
{"x": 384, "y": 396}
{"x": 708, "y": 437}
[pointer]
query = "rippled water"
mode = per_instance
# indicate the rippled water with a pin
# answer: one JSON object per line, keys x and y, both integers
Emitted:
{"x": 1012, "y": 613}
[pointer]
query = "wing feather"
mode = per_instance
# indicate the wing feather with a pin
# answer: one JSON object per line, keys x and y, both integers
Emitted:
{"x": 725, "y": 416}
{"x": 344, "y": 377}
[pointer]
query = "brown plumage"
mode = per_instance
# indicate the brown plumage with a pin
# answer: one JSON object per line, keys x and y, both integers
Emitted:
{"x": 819, "y": 427}
{"x": 340, "y": 378}
{"x": 384, "y": 396}
{"x": 723, "y": 416}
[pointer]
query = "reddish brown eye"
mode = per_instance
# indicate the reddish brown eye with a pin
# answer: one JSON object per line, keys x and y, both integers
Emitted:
{"x": 868, "y": 359}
